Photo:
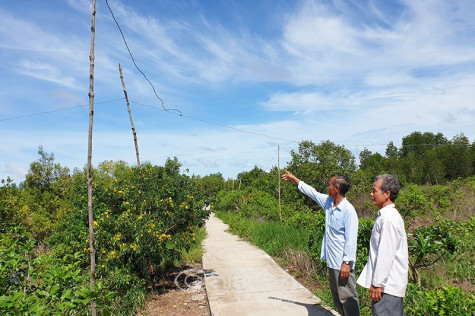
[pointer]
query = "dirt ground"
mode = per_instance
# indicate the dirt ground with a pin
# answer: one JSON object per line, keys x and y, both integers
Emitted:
{"x": 181, "y": 292}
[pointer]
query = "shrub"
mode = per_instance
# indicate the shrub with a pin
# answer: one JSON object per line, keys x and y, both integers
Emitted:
{"x": 143, "y": 218}
{"x": 412, "y": 201}
{"x": 42, "y": 284}
{"x": 448, "y": 300}
{"x": 365, "y": 228}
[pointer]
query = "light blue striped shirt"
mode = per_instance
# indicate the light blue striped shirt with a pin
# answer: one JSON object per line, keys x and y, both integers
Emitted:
{"x": 341, "y": 228}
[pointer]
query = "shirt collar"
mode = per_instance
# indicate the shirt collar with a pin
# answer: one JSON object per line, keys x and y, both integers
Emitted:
{"x": 386, "y": 209}
{"x": 339, "y": 206}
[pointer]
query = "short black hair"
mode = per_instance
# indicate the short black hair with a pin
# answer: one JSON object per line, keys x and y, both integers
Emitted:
{"x": 342, "y": 182}
{"x": 391, "y": 184}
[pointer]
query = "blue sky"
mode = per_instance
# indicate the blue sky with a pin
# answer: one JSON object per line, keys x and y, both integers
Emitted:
{"x": 359, "y": 73}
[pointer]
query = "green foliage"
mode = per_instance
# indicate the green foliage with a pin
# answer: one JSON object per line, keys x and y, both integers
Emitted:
{"x": 41, "y": 200}
{"x": 373, "y": 164}
{"x": 316, "y": 164}
{"x": 195, "y": 253}
{"x": 143, "y": 218}
{"x": 428, "y": 158}
{"x": 427, "y": 245}
{"x": 365, "y": 227}
{"x": 412, "y": 201}
{"x": 42, "y": 284}
{"x": 229, "y": 201}
{"x": 418, "y": 143}
{"x": 273, "y": 237}
{"x": 305, "y": 217}
{"x": 10, "y": 198}
{"x": 208, "y": 186}
{"x": 448, "y": 300}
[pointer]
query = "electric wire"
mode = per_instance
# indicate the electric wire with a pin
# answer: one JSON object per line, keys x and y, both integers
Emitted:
{"x": 219, "y": 124}
{"x": 207, "y": 122}
{"x": 135, "y": 64}
{"x": 54, "y": 111}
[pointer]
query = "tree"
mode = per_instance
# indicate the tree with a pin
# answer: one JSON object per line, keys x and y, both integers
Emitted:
{"x": 44, "y": 173}
{"x": 316, "y": 164}
{"x": 172, "y": 166}
{"x": 209, "y": 185}
{"x": 456, "y": 157}
{"x": 47, "y": 190}
{"x": 392, "y": 159}
{"x": 418, "y": 143}
{"x": 258, "y": 178}
{"x": 373, "y": 164}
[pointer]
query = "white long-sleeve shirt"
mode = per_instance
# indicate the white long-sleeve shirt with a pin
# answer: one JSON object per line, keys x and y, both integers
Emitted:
{"x": 388, "y": 262}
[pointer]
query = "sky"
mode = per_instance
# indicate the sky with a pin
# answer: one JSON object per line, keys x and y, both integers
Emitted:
{"x": 242, "y": 82}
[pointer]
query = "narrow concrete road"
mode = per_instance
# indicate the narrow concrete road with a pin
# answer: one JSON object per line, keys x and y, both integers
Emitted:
{"x": 241, "y": 279}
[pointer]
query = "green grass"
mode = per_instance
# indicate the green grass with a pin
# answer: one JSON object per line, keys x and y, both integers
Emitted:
{"x": 272, "y": 237}
{"x": 195, "y": 254}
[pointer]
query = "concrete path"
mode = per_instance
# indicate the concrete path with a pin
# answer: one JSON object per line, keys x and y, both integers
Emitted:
{"x": 241, "y": 279}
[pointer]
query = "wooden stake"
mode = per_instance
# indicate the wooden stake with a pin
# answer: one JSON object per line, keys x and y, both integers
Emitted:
{"x": 92, "y": 251}
{"x": 130, "y": 116}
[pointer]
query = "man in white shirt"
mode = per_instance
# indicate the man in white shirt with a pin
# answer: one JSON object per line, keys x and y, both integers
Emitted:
{"x": 339, "y": 240}
{"x": 385, "y": 273}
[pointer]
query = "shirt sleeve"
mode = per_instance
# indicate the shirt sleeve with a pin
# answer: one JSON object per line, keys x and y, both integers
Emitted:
{"x": 309, "y": 191}
{"x": 389, "y": 240}
{"x": 351, "y": 235}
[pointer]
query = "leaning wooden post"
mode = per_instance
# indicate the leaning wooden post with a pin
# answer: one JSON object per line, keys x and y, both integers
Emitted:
{"x": 130, "y": 116}
{"x": 92, "y": 250}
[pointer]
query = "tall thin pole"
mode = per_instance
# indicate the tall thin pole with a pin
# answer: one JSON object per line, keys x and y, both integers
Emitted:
{"x": 92, "y": 251}
{"x": 278, "y": 169}
{"x": 130, "y": 116}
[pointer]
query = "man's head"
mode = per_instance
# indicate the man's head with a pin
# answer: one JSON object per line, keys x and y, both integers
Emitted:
{"x": 385, "y": 190}
{"x": 339, "y": 184}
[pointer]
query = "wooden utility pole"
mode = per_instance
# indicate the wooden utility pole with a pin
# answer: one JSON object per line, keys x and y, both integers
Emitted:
{"x": 130, "y": 116}
{"x": 278, "y": 174}
{"x": 92, "y": 250}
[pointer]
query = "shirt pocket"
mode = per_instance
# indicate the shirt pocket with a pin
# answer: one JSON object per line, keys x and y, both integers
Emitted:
{"x": 337, "y": 222}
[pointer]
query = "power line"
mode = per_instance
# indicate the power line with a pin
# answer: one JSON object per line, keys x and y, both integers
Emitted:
{"x": 180, "y": 114}
{"x": 219, "y": 124}
{"x": 54, "y": 111}
{"x": 135, "y": 64}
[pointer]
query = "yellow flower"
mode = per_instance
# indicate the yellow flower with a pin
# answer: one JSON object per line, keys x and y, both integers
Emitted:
{"x": 95, "y": 224}
{"x": 140, "y": 217}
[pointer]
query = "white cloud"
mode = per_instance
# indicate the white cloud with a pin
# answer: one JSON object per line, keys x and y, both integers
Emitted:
{"x": 83, "y": 6}
{"x": 305, "y": 102}
{"x": 45, "y": 71}
{"x": 16, "y": 172}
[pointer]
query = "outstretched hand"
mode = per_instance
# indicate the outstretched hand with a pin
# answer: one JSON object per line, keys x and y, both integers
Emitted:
{"x": 288, "y": 176}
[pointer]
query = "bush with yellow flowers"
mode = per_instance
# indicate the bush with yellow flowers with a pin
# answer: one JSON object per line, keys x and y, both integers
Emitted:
{"x": 144, "y": 218}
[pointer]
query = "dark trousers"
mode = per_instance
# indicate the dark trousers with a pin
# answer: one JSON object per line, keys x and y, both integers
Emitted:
{"x": 344, "y": 293}
{"x": 389, "y": 305}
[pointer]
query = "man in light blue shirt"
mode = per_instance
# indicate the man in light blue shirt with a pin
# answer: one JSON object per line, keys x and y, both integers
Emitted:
{"x": 339, "y": 240}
